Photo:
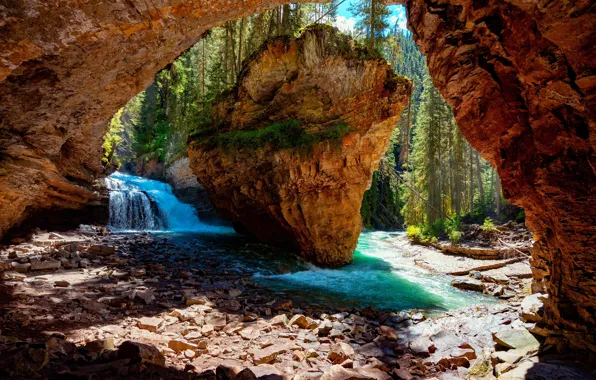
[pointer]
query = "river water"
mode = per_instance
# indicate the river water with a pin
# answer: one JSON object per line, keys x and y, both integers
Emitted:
{"x": 380, "y": 275}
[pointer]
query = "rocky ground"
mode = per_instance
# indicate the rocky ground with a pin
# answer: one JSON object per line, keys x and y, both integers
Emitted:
{"x": 92, "y": 304}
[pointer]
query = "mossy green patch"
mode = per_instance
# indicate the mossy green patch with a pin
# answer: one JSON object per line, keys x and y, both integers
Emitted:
{"x": 284, "y": 135}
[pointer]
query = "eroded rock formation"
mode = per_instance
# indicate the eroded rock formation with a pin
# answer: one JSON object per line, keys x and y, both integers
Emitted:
{"x": 65, "y": 69}
{"x": 520, "y": 77}
{"x": 307, "y": 197}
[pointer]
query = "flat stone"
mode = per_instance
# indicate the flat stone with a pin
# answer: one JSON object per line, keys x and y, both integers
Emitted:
{"x": 21, "y": 268}
{"x": 539, "y": 371}
{"x": 37, "y": 264}
{"x": 269, "y": 354}
{"x": 498, "y": 278}
{"x": 422, "y": 346}
{"x": 179, "y": 345}
{"x": 520, "y": 339}
{"x": 279, "y": 320}
{"x": 531, "y": 308}
{"x": 369, "y": 350}
{"x": 337, "y": 372}
{"x": 152, "y": 324}
{"x": 468, "y": 283}
{"x": 506, "y": 357}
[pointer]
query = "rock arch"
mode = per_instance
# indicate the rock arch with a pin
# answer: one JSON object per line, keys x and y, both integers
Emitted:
{"x": 519, "y": 75}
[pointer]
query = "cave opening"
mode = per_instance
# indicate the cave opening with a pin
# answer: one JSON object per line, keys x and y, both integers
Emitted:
{"x": 519, "y": 85}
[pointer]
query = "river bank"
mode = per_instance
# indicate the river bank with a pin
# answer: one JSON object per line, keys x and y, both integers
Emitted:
{"x": 130, "y": 306}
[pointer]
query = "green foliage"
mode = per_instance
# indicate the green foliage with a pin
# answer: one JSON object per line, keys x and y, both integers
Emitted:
{"x": 379, "y": 25}
{"x": 285, "y": 135}
{"x": 455, "y": 237}
{"x": 112, "y": 139}
{"x": 488, "y": 225}
{"x": 417, "y": 235}
{"x": 520, "y": 217}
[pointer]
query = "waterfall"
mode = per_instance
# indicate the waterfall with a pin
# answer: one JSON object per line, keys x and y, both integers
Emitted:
{"x": 141, "y": 204}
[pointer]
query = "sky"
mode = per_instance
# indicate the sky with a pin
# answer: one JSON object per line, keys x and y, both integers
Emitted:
{"x": 346, "y": 20}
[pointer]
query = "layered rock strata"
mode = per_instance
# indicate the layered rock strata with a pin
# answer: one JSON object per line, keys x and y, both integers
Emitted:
{"x": 306, "y": 197}
{"x": 520, "y": 77}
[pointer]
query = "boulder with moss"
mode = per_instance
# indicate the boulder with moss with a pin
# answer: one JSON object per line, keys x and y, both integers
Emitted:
{"x": 289, "y": 151}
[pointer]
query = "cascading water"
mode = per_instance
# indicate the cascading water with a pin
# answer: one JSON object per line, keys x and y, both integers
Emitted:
{"x": 141, "y": 204}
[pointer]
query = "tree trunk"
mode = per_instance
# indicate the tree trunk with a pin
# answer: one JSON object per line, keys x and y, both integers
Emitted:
{"x": 372, "y": 24}
{"x": 479, "y": 178}
{"x": 471, "y": 179}
{"x": 498, "y": 194}
{"x": 240, "y": 45}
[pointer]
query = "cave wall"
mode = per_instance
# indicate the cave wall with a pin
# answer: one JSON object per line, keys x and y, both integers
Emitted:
{"x": 520, "y": 77}
{"x": 65, "y": 68}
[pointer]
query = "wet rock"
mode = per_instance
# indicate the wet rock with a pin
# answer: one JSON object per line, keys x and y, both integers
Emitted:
{"x": 388, "y": 332}
{"x": 467, "y": 283}
{"x": 139, "y": 352}
{"x": 152, "y": 324}
{"x": 282, "y": 305}
{"x": 422, "y": 346}
{"x": 531, "y": 308}
{"x": 340, "y": 352}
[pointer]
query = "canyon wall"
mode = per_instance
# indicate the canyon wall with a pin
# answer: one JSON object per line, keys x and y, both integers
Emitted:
{"x": 307, "y": 197}
{"x": 520, "y": 77}
{"x": 519, "y": 74}
{"x": 65, "y": 68}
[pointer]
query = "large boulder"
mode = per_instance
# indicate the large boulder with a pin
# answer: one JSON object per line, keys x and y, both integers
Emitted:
{"x": 335, "y": 105}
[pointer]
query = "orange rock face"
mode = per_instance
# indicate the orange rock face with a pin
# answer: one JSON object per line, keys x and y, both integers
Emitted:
{"x": 65, "y": 69}
{"x": 519, "y": 74}
{"x": 520, "y": 77}
{"x": 310, "y": 197}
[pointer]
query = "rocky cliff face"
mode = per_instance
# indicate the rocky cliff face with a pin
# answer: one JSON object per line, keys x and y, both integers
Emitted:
{"x": 307, "y": 197}
{"x": 186, "y": 187}
{"x": 519, "y": 74}
{"x": 520, "y": 77}
{"x": 65, "y": 70}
